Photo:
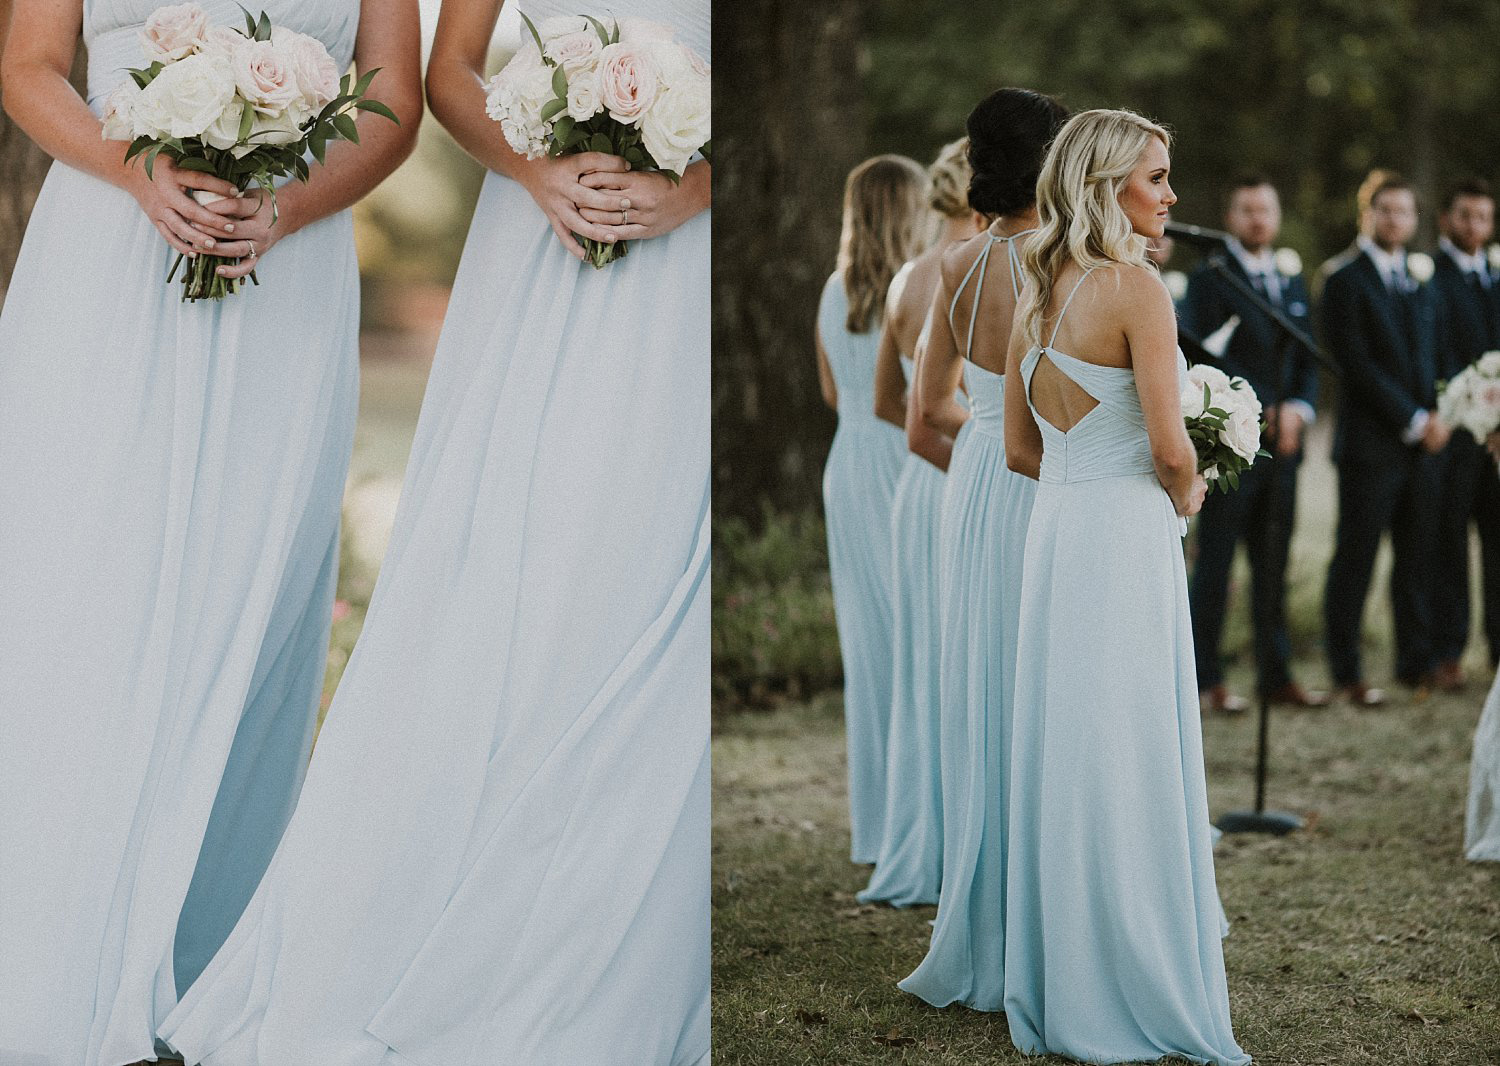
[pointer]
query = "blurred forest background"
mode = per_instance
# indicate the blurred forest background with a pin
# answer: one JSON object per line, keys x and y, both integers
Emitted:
{"x": 1312, "y": 93}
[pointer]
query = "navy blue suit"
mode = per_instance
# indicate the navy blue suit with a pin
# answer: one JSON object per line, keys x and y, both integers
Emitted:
{"x": 1468, "y": 325}
{"x": 1261, "y": 511}
{"x": 1384, "y": 343}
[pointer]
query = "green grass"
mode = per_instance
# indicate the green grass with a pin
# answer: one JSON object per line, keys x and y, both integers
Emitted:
{"x": 1365, "y": 939}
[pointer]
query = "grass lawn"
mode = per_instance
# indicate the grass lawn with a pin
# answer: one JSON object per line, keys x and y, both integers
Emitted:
{"x": 1365, "y": 939}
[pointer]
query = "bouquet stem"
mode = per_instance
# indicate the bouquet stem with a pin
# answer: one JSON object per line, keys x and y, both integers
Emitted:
{"x": 201, "y": 280}
{"x": 601, "y": 254}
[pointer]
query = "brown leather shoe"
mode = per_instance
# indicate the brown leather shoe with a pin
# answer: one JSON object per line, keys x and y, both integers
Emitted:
{"x": 1361, "y": 694}
{"x": 1449, "y": 676}
{"x": 1219, "y": 700}
{"x": 1292, "y": 694}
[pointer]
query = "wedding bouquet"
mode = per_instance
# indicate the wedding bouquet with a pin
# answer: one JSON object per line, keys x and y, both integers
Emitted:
{"x": 243, "y": 105}
{"x": 1223, "y": 421}
{"x": 1471, "y": 398}
{"x": 631, "y": 90}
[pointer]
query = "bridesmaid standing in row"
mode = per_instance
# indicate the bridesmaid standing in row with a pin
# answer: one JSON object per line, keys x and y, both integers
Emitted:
{"x": 984, "y": 532}
{"x": 171, "y": 475}
{"x": 1113, "y": 924}
{"x": 884, "y": 221}
{"x": 910, "y": 863}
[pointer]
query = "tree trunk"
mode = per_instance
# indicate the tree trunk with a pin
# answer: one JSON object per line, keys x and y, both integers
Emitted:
{"x": 789, "y": 125}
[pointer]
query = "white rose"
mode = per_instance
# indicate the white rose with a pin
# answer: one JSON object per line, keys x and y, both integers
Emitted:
{"x": 629, "y": 82}
{"x": 264, "y": 77}
{"x": 224, "y": 133}
{"x": 1241, "y": 433}
{"x": 575, "y": 51}
{"x": 1176, "y": 282}
{"x": 583, "y": 97}
{"x": 1419, "y": 266}
{"x": 119, "y": 108}
{"x": 185, "y": 98}
{"x": 677, "y": 126}
{"x": 1492, "y": 253}
{"x": 174, "y": 32}
{"x": 222, "y": 41}
{"x": 1288, "y": 262}
{"x": 1211, "y": 473}
{"x": 1192, "y": 400}
{"x": 271, "y": 129}
{"x": 313, "y": 69}
{"x": 633, "y": 30}
{"x": 1489, "y": 364}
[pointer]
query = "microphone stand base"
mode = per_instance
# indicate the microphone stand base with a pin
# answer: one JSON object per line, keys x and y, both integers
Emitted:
{"x": 1277, "y": 823}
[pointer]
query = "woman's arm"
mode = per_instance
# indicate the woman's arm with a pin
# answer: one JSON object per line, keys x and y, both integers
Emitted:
{"x": 455, "y": 91}
{"x": 1023, "y": 440}
{"x": 940, "y": 372}
{"x": 38, "y": 96}
{"x": 389, "y": 38}
{"x": 921, "y": 439}
{"x": 890, "y": 379}
{"x": 1150, "y": 327}
{"x": 826, "y": 383}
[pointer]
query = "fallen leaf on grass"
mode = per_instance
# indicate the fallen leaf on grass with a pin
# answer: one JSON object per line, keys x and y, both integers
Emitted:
{"x": 810, "y": 1017}
{"x": 895, "y": 1039}
{"x": 1418, "y": 1016}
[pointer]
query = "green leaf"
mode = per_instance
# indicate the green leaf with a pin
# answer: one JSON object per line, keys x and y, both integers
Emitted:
{"x": 552, "y": 108}
{"x": 151, "y": 159}
{"x": 576, "y": 138}
{"x": 247, "y": 121}
{"x": 601, "y": 143}
{"x": 708, "y": 152}
{"x": 363, "y": 85}
{"x": 537, "y": 37}
{"x": 343, "y": 85}
{"x": 141, "y": 78}
{"x": 599, "y": 29}
{"x": 346, "y": 127}
{"x": 560, "y": 82}
{"x": 614, "y": 38}
{"x": 137, "y": 146}
{"x": 263, "y": 28}
{"x": 318, "y": 142}
{"x": 562, "y": 127}
{"x": 202, "y": 166}
{"x": 378, "y": 108}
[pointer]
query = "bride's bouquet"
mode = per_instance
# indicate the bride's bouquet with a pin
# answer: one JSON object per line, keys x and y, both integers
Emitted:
{"x": 243, "y": 105}
{"x": 630, "y": 90}
{"x": 1224, "y": 424}
{"x": 1471, "y": 398}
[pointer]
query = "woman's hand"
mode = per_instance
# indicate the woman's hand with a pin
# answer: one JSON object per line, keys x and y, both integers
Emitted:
{"x": 557, "y": 184}
{"x": 644, "y": 203}
{"x": 244, "y": 227}
{"x": 1192, "y": 503}
{"x": 166, "y": 197}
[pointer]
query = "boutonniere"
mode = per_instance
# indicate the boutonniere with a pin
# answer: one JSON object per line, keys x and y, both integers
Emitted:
{"x": 1288, "y": 262}
{"x": 1492, "y": 253}
{"x": 1419, "y": 267}
{"x": 1176, "y": 282}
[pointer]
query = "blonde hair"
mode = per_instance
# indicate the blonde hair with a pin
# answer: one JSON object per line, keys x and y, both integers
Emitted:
{"x": 1079, "y": 215}
{"x": 950, "y": 174}
{"x": 884, "y": 222}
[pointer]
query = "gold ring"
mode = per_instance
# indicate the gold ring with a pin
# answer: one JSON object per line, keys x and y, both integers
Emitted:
{"x": 253, "y": 253}
{"x": 624, "y": 217}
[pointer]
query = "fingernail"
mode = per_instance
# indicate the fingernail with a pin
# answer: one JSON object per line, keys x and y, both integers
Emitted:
{"x": 192, "y": 254}
{"x": 229, "y": 227}
{"x": 208, "y": 242}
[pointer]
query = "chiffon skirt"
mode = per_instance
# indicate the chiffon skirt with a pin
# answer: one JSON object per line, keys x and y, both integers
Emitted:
{"x": 1482, "y": 819}
{"x": 859, "y": 487}
{"x": 170, "y": 480}
{"x": 909, "y": 865}
{"x": 984, "y": 539}
{"x": 1113, "y": 927}
{"x": 501, "y": 854}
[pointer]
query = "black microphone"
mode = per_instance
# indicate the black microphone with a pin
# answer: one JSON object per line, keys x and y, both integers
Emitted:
{"x": 1208, "y": 238}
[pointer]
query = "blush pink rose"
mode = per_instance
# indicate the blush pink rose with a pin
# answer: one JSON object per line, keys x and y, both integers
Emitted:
{"x": 574, "y": 51}
{"x": 316, "y": 74}
{"x": 264, "y": 77}
{"x": 628, "y": 82}
{"x": 174, "y": 32}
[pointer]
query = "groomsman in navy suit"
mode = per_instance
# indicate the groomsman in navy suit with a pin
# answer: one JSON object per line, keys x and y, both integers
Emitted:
{"x": 1468, "y": 294}
{"x": 1260, "y": 512}
{"x": 1379, "y": 321}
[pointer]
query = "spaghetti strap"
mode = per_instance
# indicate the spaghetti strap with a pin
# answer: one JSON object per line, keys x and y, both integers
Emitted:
{"x": 1058, "y": 324}
{"x": 981, "y": 264}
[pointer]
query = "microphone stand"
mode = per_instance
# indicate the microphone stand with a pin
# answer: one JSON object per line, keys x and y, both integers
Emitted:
{"x": 1289, "y": 337}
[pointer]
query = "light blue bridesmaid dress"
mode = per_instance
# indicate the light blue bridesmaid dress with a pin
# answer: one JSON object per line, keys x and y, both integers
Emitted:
{"x": 501, "y": 854}
{"x": 909, "y": 865}
{"x": 986, "y": 511}
{"x": 170, "y": 483}
{"x": 1113, "y": 924}
{"x": 859, "y": 487}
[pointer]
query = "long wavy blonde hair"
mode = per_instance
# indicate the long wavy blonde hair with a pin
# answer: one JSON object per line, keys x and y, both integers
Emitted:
{"x": 950, "y": 174}
{"x": 885, "y": 222}
{"x": 1079, "y": 215}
